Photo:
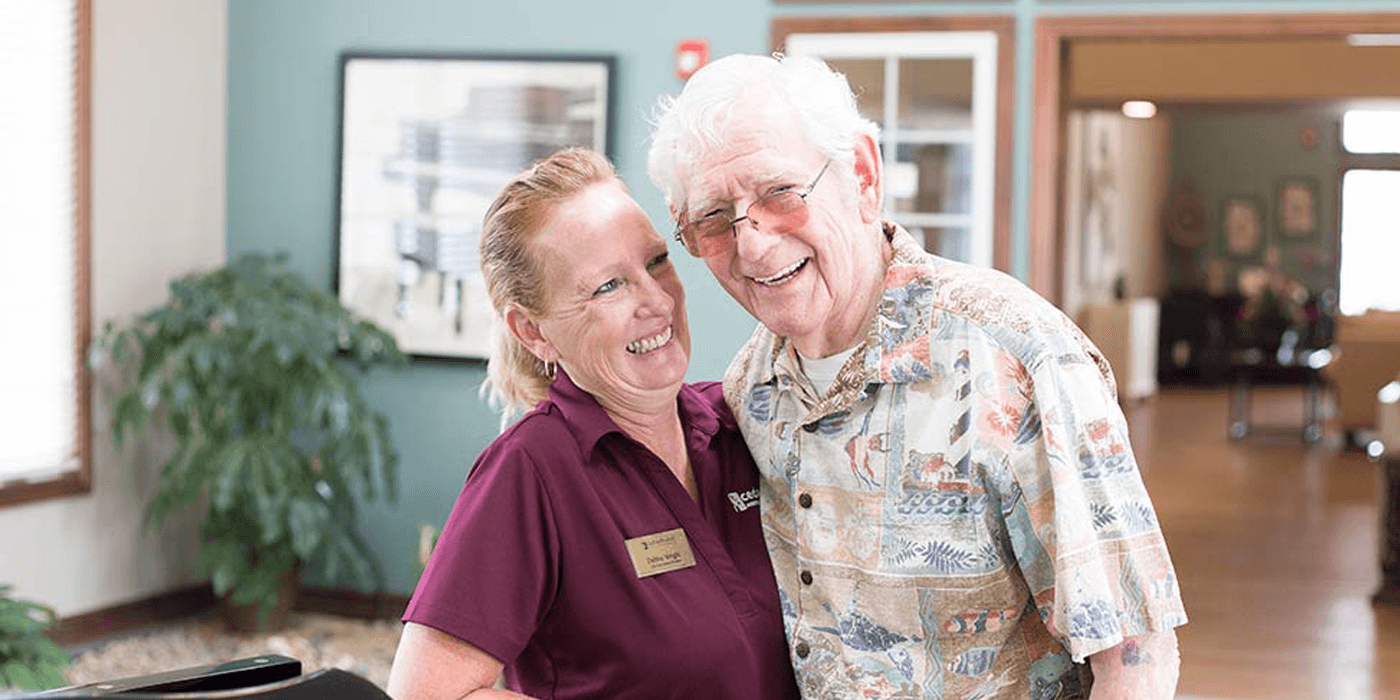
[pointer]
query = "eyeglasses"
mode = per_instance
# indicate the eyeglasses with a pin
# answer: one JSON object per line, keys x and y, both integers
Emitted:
{"x": 713, "y": 234}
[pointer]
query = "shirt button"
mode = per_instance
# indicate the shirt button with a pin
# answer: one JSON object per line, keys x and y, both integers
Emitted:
{"x": 805, "y": 500}
{"x": 806, "y": 577}
{"x": 802, "y": 650}
{"x": 810, "y": 427}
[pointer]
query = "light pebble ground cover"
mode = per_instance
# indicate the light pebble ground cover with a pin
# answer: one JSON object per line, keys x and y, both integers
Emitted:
{"x": 318, "y": 641}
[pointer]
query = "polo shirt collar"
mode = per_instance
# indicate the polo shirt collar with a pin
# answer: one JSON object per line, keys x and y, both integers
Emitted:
{"x": 589, "y": 423}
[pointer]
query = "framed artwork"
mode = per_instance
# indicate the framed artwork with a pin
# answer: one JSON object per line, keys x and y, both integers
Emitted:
{"x": 1297, "y": 208}
{"x": 1242, "y": 227}
{"x": 426, "y": 141}
{"x": 1186, "y": 216}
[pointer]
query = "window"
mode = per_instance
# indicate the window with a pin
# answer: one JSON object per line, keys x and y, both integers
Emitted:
{"x": 44, "y": 270}
{"x": 1370, "y": 211}
{"x": 934, "y": 95}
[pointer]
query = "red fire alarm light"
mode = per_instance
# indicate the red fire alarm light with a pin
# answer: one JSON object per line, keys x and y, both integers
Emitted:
{"x": 691, "y": 55}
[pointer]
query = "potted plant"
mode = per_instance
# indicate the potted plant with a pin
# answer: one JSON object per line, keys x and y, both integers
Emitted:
{"x": 248, "y": 367}
{"x": 28, "y": 659}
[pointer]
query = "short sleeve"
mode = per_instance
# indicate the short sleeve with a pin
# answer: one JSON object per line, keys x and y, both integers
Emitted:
{"x": 1084, "y": 530}
{"x": 493, "y": 573}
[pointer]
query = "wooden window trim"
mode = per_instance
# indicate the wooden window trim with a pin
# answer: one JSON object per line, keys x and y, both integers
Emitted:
{"x": 80, "y": 480}
{"x": 1005, "y": 29}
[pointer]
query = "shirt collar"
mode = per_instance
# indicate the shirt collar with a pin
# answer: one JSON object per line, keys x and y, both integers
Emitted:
{"x": 884, "y": 356}
{"x": 589, "y": 423}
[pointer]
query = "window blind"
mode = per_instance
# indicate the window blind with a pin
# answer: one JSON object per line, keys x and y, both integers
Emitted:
{"x": 39, "y": 391}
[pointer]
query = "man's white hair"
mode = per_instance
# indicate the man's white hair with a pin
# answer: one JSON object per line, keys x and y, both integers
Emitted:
{"x": 686, "y": 128}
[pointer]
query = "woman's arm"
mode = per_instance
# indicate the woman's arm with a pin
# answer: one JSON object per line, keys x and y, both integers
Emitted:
{"x": 434, "y": 665}
{"x": 1141, "y": 668}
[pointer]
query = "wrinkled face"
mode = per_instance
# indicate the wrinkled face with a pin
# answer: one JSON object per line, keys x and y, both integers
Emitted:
{"x": 813, "y": 281}
{"x": 615, "y": 308}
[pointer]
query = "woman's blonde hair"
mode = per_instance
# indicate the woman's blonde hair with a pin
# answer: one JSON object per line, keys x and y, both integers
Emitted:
{"x": 516, "y": 380}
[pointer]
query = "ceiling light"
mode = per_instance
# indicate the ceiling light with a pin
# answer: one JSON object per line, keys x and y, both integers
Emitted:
{"x": 1373, "y": 39}
{"x": 1139, "y": 109}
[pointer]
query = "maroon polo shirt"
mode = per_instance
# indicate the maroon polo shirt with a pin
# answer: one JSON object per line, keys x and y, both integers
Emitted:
{"x": 532, "y": 565}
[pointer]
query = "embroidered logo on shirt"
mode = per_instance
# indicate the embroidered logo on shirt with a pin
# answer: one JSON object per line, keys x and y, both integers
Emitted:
{"x": 743, "y": 500}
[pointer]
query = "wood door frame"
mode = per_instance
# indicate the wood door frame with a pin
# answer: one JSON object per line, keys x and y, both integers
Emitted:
{"x": 1004, "y": 26}
{"x": 1052, "y": 37}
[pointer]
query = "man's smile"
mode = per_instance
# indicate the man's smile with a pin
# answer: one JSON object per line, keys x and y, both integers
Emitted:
{"x": 783, "y": 275}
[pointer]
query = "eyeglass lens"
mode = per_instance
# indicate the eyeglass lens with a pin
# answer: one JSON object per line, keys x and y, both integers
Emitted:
{"x": 714, "y": 235}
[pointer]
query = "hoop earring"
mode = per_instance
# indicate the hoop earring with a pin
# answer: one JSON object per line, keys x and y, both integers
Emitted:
{"x": 549, "y": 369}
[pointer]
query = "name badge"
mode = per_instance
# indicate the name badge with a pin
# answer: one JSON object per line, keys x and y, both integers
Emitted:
{"x": 660, "y": 552}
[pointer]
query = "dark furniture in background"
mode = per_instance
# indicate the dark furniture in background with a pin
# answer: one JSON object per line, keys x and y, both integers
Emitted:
{"x": 1253, "y": 367}
{"x": 1201, "y": 342}
{"x": 1196, "y": 338}
{"x": 1386, "y": 451}
{"x": 1389, "y": 591}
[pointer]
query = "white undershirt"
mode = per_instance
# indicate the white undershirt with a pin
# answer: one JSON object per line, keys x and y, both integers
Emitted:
{"x": 822, "y": 372}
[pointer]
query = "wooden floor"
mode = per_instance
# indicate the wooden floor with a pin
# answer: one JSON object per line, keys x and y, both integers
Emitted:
{"x": 1275, "y": 543}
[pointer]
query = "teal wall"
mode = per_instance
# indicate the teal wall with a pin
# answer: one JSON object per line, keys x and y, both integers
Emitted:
{"x": 281, "y": 162}
{"x": 282, "y": 107}
{"x": 1249, "y": 154}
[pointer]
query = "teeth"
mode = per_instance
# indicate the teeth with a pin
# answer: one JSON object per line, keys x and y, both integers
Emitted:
{"x": 646, "y": 345}
{"x": 782, "y": 274}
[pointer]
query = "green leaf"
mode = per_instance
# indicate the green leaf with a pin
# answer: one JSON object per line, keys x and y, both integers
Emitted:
{"x": 181, "y": 392}
{"x": 118, "y": 341}
{"x": 309, "y": 520}
{"x": 52, "y": 654}
{"x": 50, "y": 675}
{"x": 203, "y": 358}
{"x": 19, "y": 676}
{"x": 225, "y": 570}
{"x": 226, "y": 485}
{"x": 128, "y": 414}
{"x": 338, "y": 408}
{"x": 20, "y": 622}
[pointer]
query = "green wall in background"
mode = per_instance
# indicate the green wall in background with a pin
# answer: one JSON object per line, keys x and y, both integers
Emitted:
{"x": 1249, "y": 155}
{"x": 282, "y": 107}
{"x": 282, "y": 135}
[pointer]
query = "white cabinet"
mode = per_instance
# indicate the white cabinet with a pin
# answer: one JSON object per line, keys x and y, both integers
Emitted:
{"x": 1126, "y": 333}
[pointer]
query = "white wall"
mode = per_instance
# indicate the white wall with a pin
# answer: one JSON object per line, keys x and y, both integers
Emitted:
{"x": 1116, "y": 181}
{"x": 158, "y": 99}
{"x": 1146, "y": 168}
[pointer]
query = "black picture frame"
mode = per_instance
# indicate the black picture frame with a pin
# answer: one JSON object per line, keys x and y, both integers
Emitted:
{"x": 425, "y": 141}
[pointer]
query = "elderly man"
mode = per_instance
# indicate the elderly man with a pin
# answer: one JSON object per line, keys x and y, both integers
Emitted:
{"x": 949, "y": 497}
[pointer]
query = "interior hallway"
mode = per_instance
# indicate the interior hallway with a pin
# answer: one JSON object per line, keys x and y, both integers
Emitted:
{"x": 1275, "y": 543}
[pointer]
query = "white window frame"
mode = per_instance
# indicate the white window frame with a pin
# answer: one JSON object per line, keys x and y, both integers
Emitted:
{"x": 981, "y": 47}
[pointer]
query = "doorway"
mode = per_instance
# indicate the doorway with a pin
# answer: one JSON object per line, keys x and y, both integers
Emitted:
{"x": 1056, "y": 37}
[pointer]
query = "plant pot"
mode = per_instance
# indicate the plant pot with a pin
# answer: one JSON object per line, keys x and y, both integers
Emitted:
{"x": 246, "y": 619}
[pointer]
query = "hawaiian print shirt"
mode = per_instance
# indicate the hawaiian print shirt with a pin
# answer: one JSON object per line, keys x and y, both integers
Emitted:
{"x": 960, "y": 515}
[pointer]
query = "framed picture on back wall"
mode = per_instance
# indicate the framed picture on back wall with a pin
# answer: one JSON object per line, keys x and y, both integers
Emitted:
{"x": 426, "y": 142}
{"x": 1297, "y": 207}
{"x": 1242, "y": 227}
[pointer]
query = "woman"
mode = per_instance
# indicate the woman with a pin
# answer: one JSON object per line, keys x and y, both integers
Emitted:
{"x": 608, "y": 544}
